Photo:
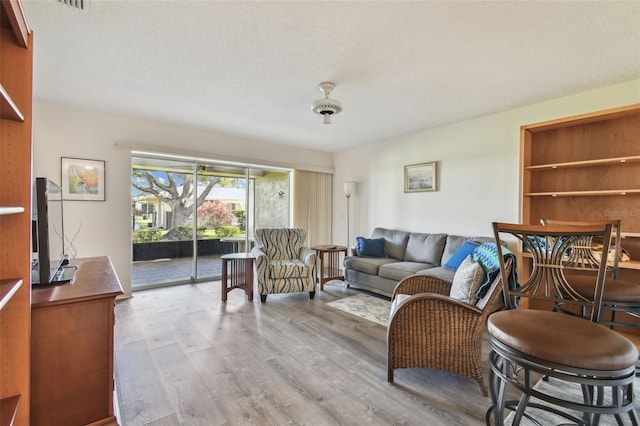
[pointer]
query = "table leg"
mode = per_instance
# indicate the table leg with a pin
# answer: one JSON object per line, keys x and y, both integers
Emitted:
{"x": 321, "y": 271}
{"x": 249, "y": 280}
{"x": 224, "y": 287}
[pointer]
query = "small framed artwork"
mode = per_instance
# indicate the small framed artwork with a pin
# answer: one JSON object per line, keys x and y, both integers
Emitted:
{"x": 421, "y": 177}
{"x": 82, "y": 179}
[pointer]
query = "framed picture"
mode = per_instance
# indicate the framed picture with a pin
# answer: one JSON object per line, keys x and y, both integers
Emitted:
{"x": 82, "y": 179}
{"x": 420, "y": 177}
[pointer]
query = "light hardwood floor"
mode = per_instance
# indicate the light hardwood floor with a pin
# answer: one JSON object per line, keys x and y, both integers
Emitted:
{"x": 182, "y": 357}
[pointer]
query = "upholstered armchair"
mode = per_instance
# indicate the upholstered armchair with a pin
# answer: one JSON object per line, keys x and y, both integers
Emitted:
{"x": 430, "y": 329}
{"x": 283, "y": 264}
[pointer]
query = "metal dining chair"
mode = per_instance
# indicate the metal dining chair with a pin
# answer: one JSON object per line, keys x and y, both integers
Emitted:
{"x": 569, "y": 350}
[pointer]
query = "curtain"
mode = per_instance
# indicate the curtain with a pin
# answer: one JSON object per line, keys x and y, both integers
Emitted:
{"x": 312, "y": 205}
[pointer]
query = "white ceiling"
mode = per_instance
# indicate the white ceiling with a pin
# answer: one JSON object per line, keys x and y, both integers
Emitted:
{"x": 252, "y": 68}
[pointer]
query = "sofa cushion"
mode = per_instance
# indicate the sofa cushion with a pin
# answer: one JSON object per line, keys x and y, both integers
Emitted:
{"x": 368, "y": 265}
{"x": 466, "y": 281}
{"x": 456, "y": 259}
{"x": 370, "y": 247}
{"x": 425, "y": 248}
{"x": 439, "y": 272}
{"x": 395, "y": 242}
{"x": 400, "y": 270}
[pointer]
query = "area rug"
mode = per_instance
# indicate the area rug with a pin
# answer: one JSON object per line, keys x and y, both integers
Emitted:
{"x": 553, "y": 386}
{"x": 365, "y": 306}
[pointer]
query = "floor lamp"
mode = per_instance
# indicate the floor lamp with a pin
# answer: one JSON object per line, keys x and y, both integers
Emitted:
{"x": 348, "y": 188}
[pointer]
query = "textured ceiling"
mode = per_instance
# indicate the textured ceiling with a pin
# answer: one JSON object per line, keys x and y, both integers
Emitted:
{"x": 252, "y": 68}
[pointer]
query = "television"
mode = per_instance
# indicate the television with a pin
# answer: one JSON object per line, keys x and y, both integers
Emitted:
{"x": 47, "y": 268}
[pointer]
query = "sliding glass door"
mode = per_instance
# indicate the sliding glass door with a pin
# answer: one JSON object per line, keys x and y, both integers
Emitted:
{"x": 162, "y": 195}
{"x": 186, "y": 214}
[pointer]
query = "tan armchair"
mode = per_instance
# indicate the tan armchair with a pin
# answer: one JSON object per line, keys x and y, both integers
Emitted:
{"x": 429, "y": 329}
{"x": 283, "y": 264}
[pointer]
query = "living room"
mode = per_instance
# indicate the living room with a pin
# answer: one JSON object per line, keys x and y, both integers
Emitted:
{"x": 478, "y": 176}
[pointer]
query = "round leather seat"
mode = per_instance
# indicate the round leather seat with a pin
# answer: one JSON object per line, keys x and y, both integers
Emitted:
{"x": 573, "y": 342}
{"x": 614, "y": 290}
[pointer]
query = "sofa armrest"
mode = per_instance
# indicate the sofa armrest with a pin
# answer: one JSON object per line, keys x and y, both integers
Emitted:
{"x": 261, "y": 263}
{"x": 416, "y": 284}
{"x": 308, "y": 256}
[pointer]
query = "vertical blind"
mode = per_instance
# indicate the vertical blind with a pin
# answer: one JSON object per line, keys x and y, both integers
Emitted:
{"x": 312, "y": 205}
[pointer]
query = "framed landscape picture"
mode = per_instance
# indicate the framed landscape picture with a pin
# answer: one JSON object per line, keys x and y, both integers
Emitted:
{"x": 420, "y": 177}
{"x": 82, "y": 179}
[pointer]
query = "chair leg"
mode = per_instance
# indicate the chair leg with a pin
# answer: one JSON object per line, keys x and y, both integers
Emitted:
{"x": 389, "y": 374}
{"x": 263, "y": 298}
{"x": 312, "y": 294}
{"x": 498, "y": 372}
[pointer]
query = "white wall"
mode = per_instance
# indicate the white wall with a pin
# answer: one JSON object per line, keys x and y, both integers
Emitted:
{"x": 478, "y": 164}
{"x": 105, "y": 227}
{"x": 478, "y": 174}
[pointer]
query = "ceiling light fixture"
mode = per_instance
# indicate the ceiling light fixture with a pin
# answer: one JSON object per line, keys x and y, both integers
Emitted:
{"x": 326, "y": 107}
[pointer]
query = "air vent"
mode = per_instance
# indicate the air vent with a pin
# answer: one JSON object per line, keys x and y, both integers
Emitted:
{"x": 78, "y": 4}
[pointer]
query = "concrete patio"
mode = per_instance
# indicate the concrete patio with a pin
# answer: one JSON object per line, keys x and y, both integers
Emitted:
{"x": 150, "y": 273}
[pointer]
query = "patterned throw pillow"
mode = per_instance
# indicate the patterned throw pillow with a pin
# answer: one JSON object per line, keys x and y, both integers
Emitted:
{"x": 487, "y": 256}
{"x": 468, "y": 278}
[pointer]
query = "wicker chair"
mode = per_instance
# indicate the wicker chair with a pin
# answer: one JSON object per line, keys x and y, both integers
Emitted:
{"x": 429, "y": 329}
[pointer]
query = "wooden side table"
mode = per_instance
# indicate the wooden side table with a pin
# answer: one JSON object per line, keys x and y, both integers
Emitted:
{"x": 237, "y": 272}
{"x": 329, "y": 263}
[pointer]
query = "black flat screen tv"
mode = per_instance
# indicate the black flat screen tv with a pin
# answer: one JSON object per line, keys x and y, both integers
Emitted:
{"x": 45, "y": 269}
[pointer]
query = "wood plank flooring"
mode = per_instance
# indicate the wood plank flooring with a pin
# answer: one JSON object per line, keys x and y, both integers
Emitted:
{"x": 182, "y": 357}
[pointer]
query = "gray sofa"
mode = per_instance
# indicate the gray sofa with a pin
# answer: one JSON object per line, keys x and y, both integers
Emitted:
{"x": 407, "y": 253}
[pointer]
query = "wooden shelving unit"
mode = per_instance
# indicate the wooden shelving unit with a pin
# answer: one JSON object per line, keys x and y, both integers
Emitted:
{"x": 585, "y": 168}
{"x": 16, "y": 62}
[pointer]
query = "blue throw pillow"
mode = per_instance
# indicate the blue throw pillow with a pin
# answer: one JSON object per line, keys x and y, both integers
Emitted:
{"x": 456, "y": 259}
{"x": 370, "y": 247}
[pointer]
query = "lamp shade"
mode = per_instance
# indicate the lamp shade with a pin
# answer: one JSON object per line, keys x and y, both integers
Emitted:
{"x": 349, "y": 188}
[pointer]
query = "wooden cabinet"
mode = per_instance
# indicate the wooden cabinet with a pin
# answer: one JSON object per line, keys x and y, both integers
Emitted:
{"x": 72, "y": 379}
{"x": 16, "y": 58}
{"x": 586, "y": 167}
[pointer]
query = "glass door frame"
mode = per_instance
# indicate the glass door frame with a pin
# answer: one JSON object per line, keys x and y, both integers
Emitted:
{"x": 249, "y": 205}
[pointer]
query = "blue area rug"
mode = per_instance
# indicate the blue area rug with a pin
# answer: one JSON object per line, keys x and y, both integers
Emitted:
{"x": 365, "y": 306}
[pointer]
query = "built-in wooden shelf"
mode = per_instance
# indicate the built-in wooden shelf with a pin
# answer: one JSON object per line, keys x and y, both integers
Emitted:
{"x": 587, "y": 163}
{"x": 8, "y": 288}
{"x": 17, "y": 21}
{"x": 8, "y": 410}
{"x": 16, "y": 98}
{"x": 583, "y": 193}
{"x": 630, "y": 264}
{"x": 8, "y": 108}
{"x": 10, "y": 210}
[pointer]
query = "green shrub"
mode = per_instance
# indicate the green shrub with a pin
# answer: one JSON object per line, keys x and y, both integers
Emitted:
{"x": 147, "y": 235}
{"x": 185, "y": 232}
{"x": 227, "y": 231}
